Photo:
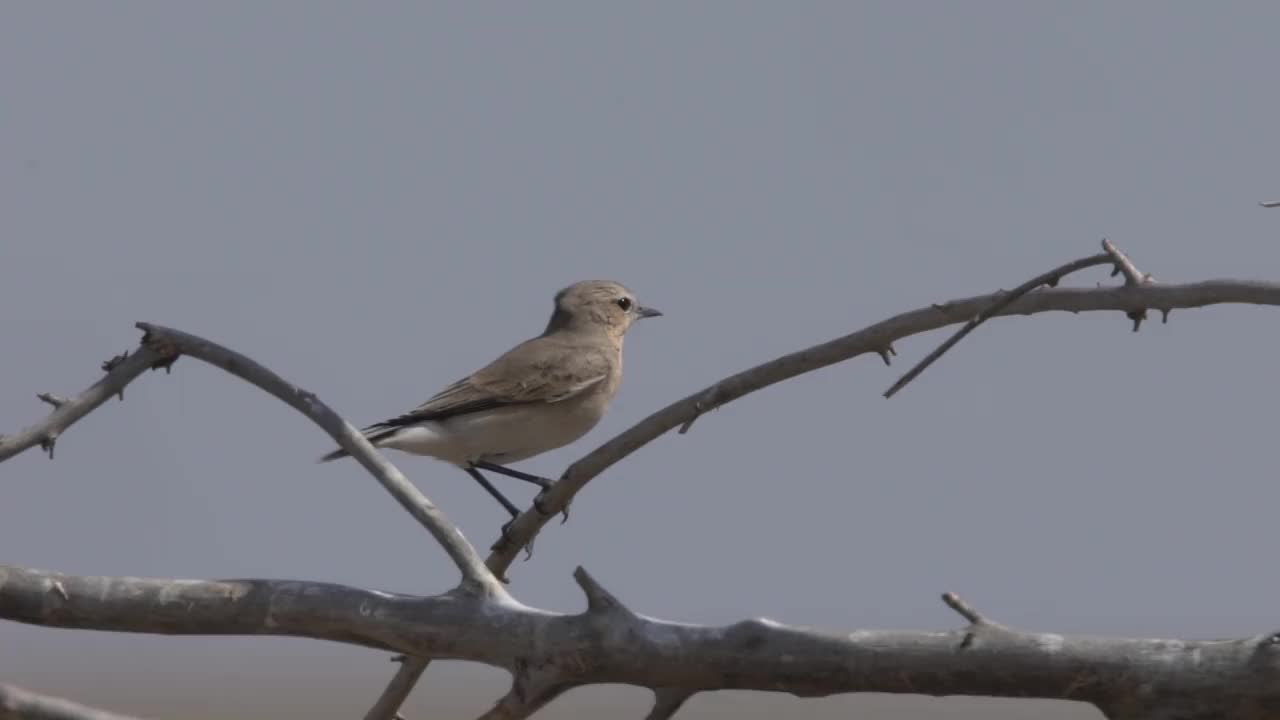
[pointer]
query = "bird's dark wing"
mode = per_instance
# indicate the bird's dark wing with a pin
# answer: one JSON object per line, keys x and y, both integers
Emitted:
{"x": 541, "y": 370}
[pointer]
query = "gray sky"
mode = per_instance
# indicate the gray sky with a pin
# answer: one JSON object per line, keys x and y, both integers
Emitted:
{"x": 375, "y": 200}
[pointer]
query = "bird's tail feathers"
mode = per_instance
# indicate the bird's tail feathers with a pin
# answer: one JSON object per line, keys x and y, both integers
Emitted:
{"x": 374, "y": 434}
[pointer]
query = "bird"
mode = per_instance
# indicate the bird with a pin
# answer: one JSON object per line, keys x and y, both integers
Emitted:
{"x": 542, "y": 394}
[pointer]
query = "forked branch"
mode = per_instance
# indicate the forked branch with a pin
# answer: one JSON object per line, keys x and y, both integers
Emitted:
{"x": 873, "y": 339}
{"x": 548, "y": 653}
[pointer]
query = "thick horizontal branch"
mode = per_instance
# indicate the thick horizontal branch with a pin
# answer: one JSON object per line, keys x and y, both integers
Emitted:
{"x": 548, "y": 653}
{"x": 871, "y": 339}
{"x": 19, "y": 704}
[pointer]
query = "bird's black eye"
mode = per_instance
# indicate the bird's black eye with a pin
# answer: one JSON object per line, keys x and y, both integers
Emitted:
{"x": 624, "y": 303}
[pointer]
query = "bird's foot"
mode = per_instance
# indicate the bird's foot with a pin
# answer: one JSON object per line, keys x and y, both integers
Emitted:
{"x": 537, "y": 505}
{"x": 505, "y": 540}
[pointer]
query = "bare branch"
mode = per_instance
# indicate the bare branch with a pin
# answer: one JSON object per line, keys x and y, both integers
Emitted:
{"x": 966, "y": 611}
{"x": 169, "y": 342}
{"x": 1050, "y": 278}
{"x": 69, "y": 411}
{"x": 1270, "y": 203}
{"x": 868, "y": 339}
{"x": 432, "y": 625}
{"x": 548, "y": 653}
{"x": 19, "y": 704}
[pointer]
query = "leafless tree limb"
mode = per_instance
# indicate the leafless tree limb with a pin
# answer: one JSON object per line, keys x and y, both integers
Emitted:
{"x": 548, "y": 653}
{"x": 874, "y": 338}
{"x": 871, "y": 339}
{"x": 19, "y": 704}
{"x": 168, "y": 342}
{"x": 68, "y": 412}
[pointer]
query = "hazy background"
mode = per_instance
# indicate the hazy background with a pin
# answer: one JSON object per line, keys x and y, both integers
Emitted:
{"x": 376, "y": 199}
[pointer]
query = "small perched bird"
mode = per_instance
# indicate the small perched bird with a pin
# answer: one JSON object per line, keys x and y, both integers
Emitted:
{"x": 542, "y": 394}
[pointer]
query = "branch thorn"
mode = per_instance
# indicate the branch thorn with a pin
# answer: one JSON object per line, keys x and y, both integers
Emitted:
{"x": 697, "y": 411}
{"x": 598, "y": 599}
{"x": 56, "y": 401}
{"x": 967, "y": 611}
{"x": 885, "y": 352}
{"x": 58, "y": 589}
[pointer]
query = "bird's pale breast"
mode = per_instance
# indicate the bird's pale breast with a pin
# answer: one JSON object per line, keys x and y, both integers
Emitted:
{"x": 512, "y": 434}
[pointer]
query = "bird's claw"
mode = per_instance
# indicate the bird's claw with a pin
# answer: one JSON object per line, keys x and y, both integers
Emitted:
{"x": 537, "y": 505}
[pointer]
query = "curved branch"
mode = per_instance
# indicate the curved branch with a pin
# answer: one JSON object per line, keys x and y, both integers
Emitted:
{"x": 19, "y": 704}
{"x": 162, "y": 346}
{"x": 548, "y": 653}
{"x": 170, "y": 343}
{"x": 871, "y": 339}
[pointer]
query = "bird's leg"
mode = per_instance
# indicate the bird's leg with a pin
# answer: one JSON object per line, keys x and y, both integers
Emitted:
{"x": 502, "y": 470}
{"x": 511, "y": 508}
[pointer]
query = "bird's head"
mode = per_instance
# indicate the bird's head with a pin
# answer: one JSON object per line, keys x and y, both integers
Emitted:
{"x": 597, "y": 305}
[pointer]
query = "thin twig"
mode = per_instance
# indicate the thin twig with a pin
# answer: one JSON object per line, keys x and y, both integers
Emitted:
{"x": 1270, "y": 203}
{"x": 72, "y": 410}
{"x": 1050, "y": 278}
{"x": 967, "y": 611}
{"x": 348, "y": 438}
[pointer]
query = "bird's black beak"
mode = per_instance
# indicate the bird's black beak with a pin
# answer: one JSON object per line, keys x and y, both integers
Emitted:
{"x": 646, "y": 312}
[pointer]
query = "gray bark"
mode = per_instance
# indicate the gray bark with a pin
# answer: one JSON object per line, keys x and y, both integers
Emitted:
{"x": 548, "y": 653}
